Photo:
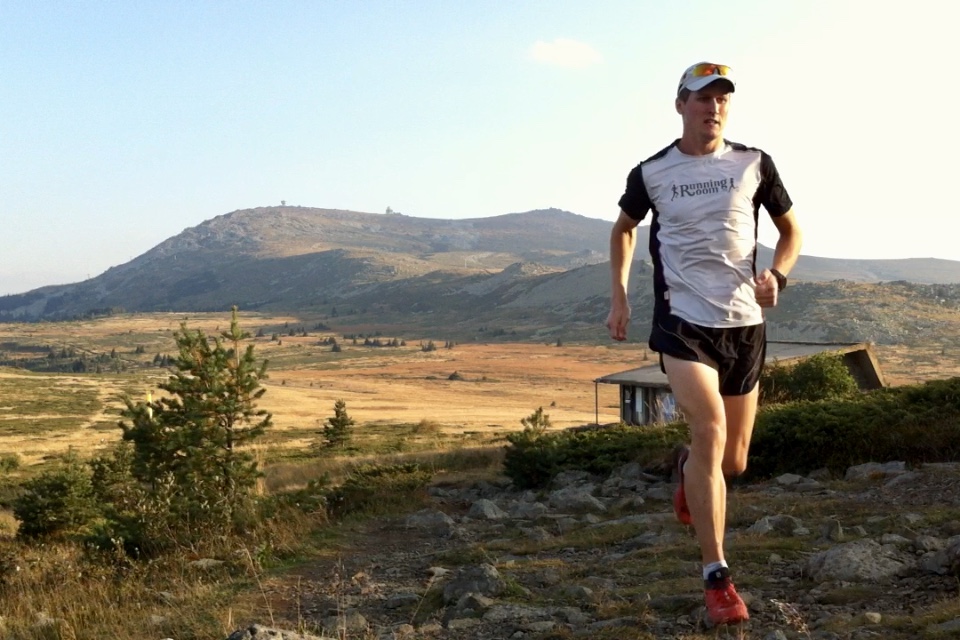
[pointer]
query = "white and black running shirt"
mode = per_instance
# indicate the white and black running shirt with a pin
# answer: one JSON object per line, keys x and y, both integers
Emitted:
{"x": 703, "y": 235}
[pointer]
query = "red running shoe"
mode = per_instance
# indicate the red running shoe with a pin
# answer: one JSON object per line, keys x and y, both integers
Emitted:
{"x": 680, "y": 497}
{"x": 724, "y": 604}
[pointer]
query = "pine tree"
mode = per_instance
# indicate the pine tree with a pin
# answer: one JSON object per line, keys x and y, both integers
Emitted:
{"x": 190, "y": 440}
{"x": 537, "y": 422}
{"x": 339, "y": 429}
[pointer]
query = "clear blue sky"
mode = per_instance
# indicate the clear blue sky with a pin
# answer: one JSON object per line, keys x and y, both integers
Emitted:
{"x": 124, "y": 122}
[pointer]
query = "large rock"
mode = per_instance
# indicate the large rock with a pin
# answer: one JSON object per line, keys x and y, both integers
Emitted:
{"x": 485, "y": 509}
{"x": 431, "y": 520}
{"x": 576, "y": 499}
{"x": 483, "y": 579}
{"x": 875, "y": 470}
{"x": 857, "y": 561}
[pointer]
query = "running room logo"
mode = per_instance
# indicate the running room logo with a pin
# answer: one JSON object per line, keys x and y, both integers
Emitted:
{"x": 702, "y": 188}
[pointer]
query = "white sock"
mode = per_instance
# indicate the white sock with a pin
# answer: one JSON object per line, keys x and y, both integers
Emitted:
{"x": 713, "y": 566}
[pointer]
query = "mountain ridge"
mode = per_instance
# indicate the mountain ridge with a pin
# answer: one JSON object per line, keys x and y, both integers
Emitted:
{"x": 508, "y": 269}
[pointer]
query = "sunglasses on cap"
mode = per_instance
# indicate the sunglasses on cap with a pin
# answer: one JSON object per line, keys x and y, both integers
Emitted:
{"x": 708, "y": 69}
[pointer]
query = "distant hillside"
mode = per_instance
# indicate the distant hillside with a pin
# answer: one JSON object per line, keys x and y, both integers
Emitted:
{"x": 541, "y": 273}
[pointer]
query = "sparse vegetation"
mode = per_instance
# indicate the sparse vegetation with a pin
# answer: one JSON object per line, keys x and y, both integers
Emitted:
{"x": 391, "y": 458}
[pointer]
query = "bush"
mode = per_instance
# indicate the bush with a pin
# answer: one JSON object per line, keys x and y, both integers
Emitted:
{"x": 918, "y": 423}
{"x": 819, "y": 377}
{"x": 310, "y": 499}
{"x": 9, "y": 462}
{"x": 376, "y": 487}
{"x": 135, "y": 520}
{"x": 427, "y": 428}
{"x": 532, "y": 459}
{"x": 57, "y": 503}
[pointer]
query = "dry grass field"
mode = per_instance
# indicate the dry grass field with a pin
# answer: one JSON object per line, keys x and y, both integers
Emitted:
{"x": 44, "y": 414}
{"x": 385, "y": 388}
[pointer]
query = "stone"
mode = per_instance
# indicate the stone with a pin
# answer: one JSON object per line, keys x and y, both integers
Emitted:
{"x": 529, "y": 510}
{"x": 576, "y": 499}
{"x": 349, "y": 623}
{"x": 950, "y": 626}
{"x": 788, "y": 479}
{"x": 875, "y": 470}
{"x": 258, "y": 632}
{"x": 430, "y": 520}
{"x": 857, "y": 561}
{"x": 483, "y": 579}
{"x": 485, "y": 509}
{"x": 400, "y": 600}
{"x": 781, "y": 524}
{"x": 206, "y": 563}
{"x": 832, "y": 530}
{"x": 894, "y": 539}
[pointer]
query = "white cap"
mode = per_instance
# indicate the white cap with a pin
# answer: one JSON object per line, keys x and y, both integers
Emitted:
{"x": 699, "y": 75}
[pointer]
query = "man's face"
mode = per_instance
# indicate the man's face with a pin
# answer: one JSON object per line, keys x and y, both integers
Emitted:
{"x": 705, "y": 111}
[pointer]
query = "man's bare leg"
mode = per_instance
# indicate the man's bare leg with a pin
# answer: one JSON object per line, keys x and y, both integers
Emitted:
{"x": 741, "y": 412}
{"x": 696, "y": 388}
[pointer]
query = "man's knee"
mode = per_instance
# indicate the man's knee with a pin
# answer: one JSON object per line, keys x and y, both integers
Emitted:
{"x": 711, "y": 436}
{"x": 734, "y": 467}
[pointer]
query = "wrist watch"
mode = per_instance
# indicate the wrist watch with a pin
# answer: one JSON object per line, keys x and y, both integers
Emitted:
{"x": 781, "y": 279}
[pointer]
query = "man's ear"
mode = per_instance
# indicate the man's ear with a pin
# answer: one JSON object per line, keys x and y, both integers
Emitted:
{"x": 678, "y": 105}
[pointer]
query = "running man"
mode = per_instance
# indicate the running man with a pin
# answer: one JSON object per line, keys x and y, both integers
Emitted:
{"x": 705, "y": 194}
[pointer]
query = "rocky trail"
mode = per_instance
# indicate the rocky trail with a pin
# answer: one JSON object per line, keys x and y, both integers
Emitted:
{"x": 874, "y": 554}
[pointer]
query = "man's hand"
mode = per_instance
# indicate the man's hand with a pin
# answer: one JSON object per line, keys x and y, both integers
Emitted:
{"x": 766, "y": 289}
{"x": 618, "y": 320}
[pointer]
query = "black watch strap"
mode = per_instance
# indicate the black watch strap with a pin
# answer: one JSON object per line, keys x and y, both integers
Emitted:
{"x": 781, "y": 279}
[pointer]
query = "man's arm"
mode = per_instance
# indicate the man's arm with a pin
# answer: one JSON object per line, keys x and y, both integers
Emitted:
{"x": 623, "y": 240}
{"x": 788, "y": 245}
{"x": 784, "y": 257}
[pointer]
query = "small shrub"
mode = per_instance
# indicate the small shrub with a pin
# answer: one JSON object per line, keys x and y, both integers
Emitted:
{"x": 57, "y": 503}
{"x": 818, "y": 377}
{"x": 9, "y": 462}
{"x": 312, "y": 498}
{"x": 455, "y": 376}
{"x": 427, "y": 428}
{"x": 375, "y": 487}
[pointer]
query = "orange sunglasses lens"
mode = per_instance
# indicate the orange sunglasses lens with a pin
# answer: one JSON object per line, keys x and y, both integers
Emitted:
{"x": 702, "y": 70}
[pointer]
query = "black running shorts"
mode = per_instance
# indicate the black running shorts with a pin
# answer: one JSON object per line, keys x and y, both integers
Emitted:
{"x": 737, "y": 352}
